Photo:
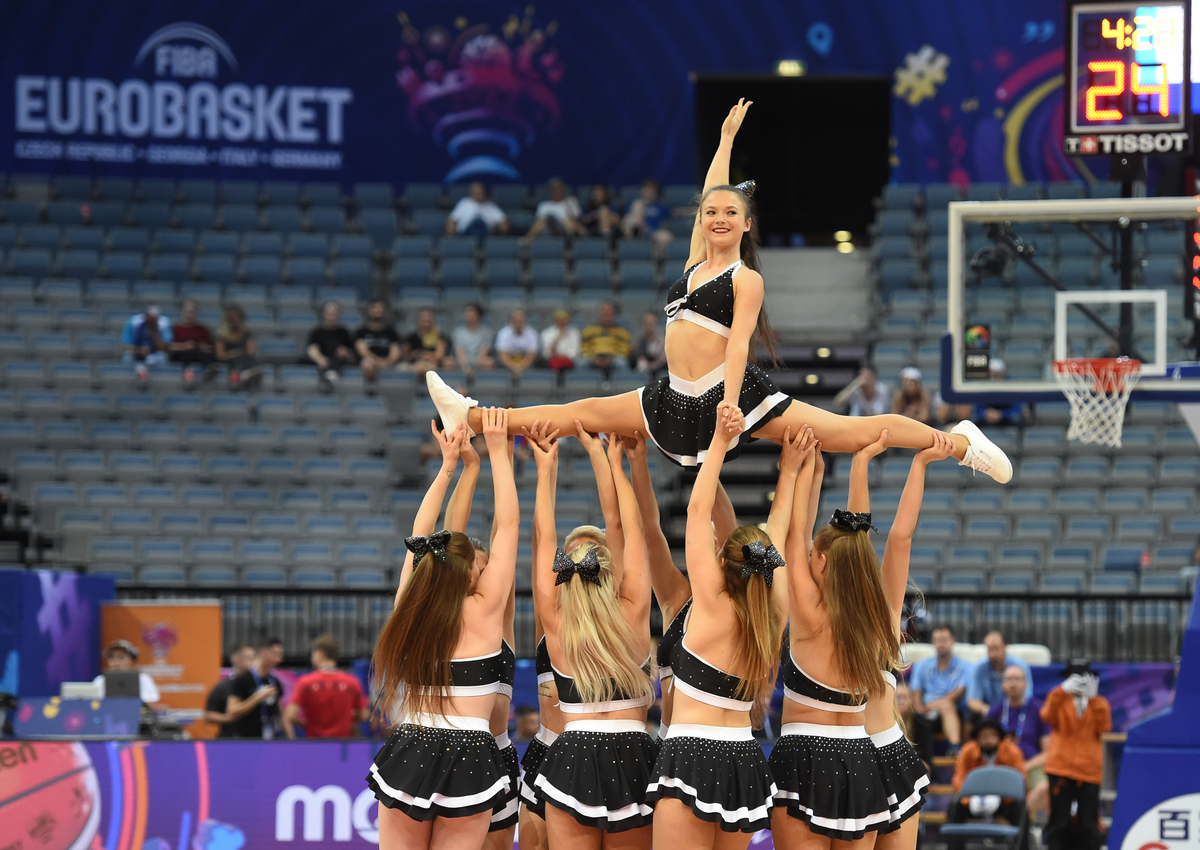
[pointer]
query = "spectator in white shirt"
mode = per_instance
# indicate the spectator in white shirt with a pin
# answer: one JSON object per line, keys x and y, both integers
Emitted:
{"x": 561, "y": 342}
{"x": 517, "y": 344}
{"x": 558, "y": 216}
{"x": 866, "y": 395}
{"x": 475, "y": 215}
{"x": 119, "y": 656}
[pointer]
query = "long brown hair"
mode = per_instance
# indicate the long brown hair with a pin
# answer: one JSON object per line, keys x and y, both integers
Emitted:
{"x": 759, "y": 635}
{"x": 597, "y": 642}
{"x": 419, "y": 638}
{"x": 860, "y": 619}
{"x": 764, "y": 335}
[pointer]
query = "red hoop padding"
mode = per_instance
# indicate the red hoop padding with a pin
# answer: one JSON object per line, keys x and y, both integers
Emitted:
{"x": 1110, "y": 372}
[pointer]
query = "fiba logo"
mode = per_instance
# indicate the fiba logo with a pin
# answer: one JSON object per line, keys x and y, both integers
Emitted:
{"x": 309, "y": 806}
{"x": 175, "y": 56}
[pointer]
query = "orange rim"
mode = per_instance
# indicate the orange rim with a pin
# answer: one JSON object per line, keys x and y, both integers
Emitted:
{"x": 1108, "y": 373}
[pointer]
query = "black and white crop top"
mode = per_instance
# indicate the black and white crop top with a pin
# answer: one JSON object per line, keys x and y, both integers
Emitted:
{"x": 483, "y": 674}
{"x": 570, "y": 702}
{"x": 710, "y": 305}
{"x": 706, "y": 683}
{"x": 889, "y": 677}
{"x": 670, "y": 641}
{"x": 545, "y": 670}
{"x": 803, "y": 689}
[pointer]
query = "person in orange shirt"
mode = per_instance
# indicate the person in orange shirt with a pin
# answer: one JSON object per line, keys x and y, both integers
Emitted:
{"x": 1078, "y": 716}
{"x": 990, "y": 748}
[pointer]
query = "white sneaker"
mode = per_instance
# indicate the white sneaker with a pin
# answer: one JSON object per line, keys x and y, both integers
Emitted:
{"x": 452, "y": 406}
{"x": 982, "y": 454}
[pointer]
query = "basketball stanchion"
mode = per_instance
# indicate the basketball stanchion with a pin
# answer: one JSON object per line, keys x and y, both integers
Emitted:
{"x": 1098, "y": 391}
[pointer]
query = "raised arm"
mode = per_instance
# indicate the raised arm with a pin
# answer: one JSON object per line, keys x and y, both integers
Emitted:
{"x": 545, "y": 532}
{"x": 780, "y": 519}
{"x": 458, "y": 511}
{"x": 431, "y": 506}
{"x": 899, "y": 543}
{"x": 747, "y": 303}
{"x": 718, "y": 171}
{"x": 495, "y": 583}
{"x": 635, "y": 575}
{"x": 859, "y": 501}
{"x": 814, "y": 496}
{"x": 670, "y": 586}
{"x": 803, "y": 590}
{"x": 704, "y": 569}
{"x": 613, "y": 532}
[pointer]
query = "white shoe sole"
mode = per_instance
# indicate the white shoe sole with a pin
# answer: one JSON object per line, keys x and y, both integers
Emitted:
{"x": 1001, "y": 470}
{"x": 451, "y": 405}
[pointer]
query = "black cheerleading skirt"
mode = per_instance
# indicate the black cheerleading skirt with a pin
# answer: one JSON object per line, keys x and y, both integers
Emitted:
{"x": 681, "y": 415}
{"x": 531, "y": 763}
{"x": 720, "y": 773}
{"x": 905, "y": 780}
{"x": 507, "y": 812}
{"x": 597, "y": 772}
{"x": 428, "y": 770}
{"x": 828, "y": 777}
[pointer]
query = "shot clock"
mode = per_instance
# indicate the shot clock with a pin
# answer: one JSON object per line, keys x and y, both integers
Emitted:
{"x": 1127, "y": 78}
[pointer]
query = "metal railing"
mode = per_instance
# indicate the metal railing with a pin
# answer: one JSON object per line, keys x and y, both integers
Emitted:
{"x": 1102, "y": 628}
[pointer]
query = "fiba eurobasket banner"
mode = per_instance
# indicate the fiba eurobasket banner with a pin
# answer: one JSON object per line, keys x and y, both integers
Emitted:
{"x": 179, "y": 644}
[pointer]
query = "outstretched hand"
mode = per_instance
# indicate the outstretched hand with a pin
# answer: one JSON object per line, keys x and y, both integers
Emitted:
{"x": 543, "y": 442}
{"x": 733, "y": 121}
{"x": 450, "y": 443}
{"x": 635, "y": 448}
{"x": 589, "y": 441}
{"x": 495, "y": 428}
{"x": 730, "y": 422}
{"x": 942, "y": 448}
{"x": 876, "y": 448}
{"x": 795, "y": 451}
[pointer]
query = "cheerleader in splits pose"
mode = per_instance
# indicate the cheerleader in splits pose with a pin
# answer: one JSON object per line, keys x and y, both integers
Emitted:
{"x": 714, "y": 319}
{"x": 905, "y": 779}
{"x": 595, "y": 613}
{"x": 712, "y": 787}
{"x": 439, "y": 660}
{"x": 824, "y": 764}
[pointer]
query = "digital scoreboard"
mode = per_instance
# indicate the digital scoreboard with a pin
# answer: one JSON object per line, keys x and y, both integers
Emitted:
{"x": 1127, "y": 78}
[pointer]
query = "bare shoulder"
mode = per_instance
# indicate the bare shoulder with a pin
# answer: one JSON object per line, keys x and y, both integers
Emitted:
{"x": 747, "y": 277}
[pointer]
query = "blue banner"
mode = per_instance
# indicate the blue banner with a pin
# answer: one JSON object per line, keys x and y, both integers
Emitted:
{"x": 265, "y": 89}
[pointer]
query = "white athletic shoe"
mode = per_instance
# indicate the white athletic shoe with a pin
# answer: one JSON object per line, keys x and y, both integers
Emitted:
{"x": 982, "y": 454}
{"x": 452, "y": 406}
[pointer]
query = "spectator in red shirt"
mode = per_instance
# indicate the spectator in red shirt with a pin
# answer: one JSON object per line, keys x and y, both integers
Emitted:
{"x": 193, "y": 345}
{"x": 326, "y": 702}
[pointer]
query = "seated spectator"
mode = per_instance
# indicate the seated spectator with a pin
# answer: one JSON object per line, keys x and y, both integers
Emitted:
{"x": 327, "y": 702}
{"x": 146, "y": 338}
{"x": 253, "y": 706}
{"x": 989, "y": 748}
{"x": 476, "y": 215}
{"x": 985, "y": 680}
{"x": 866, "y": 395}
{"x": 904, "y": 708}
{"x": 529, "y": 721}
{"x": 912, "y": 400}
{"x": 330, "y": 345}
{"x": 1001, "y": 414}
{"x": 599, "y": 218}
{"x": 237, "y": 349}
{"x": 218, "y": 698}
{"x": 1078, "y": 718}
{"x": 937, "y": 684}
{"x": 376, "y": 342}
{"x": 558, "y": 216}
{"x": 517, "y": 344}
{"x": 192, "y": 344}
{"x": 120, "y": 656}
{"x": 647, "y": 216}
{"x": 561, "y": 342}
{"x": 1019, "y": 715}
{"x": 650, "y": 353}
{"x": 473, "y": 341}
{"x": 606, "y": 346}
{"x": 427, "y": 347}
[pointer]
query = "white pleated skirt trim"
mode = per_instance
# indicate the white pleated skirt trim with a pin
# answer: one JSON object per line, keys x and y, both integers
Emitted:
{"x": 887, "y": 736}
{"x": 501, "y": 784}
{"x": 744, "y": 813}
{"x": 607, "y": 726}
{"x": 820, "y": 730}
{"x": 715, "y": 733}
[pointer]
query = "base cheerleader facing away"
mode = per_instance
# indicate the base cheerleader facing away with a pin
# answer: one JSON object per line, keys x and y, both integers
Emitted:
{"x": 715, "y": 323}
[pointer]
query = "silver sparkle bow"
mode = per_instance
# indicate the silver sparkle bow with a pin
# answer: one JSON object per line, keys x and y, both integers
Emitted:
{"x": 847, "y": 521}
{"x": 762, "y": 560}
{"x": 435, "y": 543}
{"x": 588, "y": 568}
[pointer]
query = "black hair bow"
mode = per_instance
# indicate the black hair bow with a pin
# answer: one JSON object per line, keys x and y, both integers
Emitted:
{"x": 847, "y": 521}
{"x": 435, "y": 543}
{"x": 747, "y": 187}
{"x": 588, "y": 568}
{"x": 761, "y": 559}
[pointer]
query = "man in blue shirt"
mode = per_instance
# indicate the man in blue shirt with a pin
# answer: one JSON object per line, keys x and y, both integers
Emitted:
{"x": 937, "y": 685}
{"x": 985, "y": 684}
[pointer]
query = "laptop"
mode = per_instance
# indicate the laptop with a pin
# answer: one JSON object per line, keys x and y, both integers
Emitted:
{"x": 122, "y": 683}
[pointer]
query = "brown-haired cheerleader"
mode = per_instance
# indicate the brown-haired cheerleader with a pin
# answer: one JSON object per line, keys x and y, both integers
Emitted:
{"x": 440, "y": 776}
{"x": 595, "y": 611}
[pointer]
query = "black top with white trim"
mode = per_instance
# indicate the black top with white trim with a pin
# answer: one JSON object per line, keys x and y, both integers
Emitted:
{"x": 803, "y": 689}
{"x": 705, "y": 682}
{"x": 570, "y": 702}
{"x": 545, "y": 670}
{"x": 710, "y": 305}
{"x": 670, "y": 640}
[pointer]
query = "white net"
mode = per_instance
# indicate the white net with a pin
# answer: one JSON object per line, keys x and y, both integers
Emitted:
{"x": 1098, "y": 391}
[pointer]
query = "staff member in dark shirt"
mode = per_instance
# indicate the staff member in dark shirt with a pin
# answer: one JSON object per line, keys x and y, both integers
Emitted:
{"x": 376, "y": 342}
{"x": 215, "y": 707}
{"x": 253, "y": 704}
{"x": 329, "y": 343}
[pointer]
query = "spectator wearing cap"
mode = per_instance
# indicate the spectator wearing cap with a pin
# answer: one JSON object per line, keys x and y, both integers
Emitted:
{"x": 561, "y": 342}
{"x": 517, "y": 344}
{"x": 558, "y": 215}
{"x": 605, "y": 345}
{"x": 1078, "y": 718}
{"x": 146, "y": 337}
{"x": 215, "y": 707}
{"x": 254, "y": 695}
{"x": 121, "y": 656}
{"x": 866, "y": 395}
{"x": 376, "y": 342}
{"x": 985, "y": 686}
{"x": 989, "y": 748}
{"x": 1019, "y": 715}
{"x": 329, "y": 344}
{"x": 326, "y": 702}
{"x": 476, "y": 215}
{"x": 912, "y": 400}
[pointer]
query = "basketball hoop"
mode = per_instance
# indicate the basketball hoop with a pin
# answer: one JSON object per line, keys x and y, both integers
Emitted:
{"x": 1098, "y": 390}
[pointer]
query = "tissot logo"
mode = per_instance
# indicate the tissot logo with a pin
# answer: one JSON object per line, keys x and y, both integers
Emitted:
{"x": 1125, "y": 143}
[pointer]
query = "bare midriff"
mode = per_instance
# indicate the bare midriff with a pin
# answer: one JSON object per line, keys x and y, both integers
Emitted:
{"x": 693, "y": 351}
{"x": 549, "y": 713}
{"x": 686, "y": 709}
{"x": 477, "y": 706}
{"x": 879, "y": 716}
{"x": 501, "y": 706}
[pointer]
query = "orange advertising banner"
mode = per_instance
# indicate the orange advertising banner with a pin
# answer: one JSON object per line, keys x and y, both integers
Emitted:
{"x": 179, "y": 646}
